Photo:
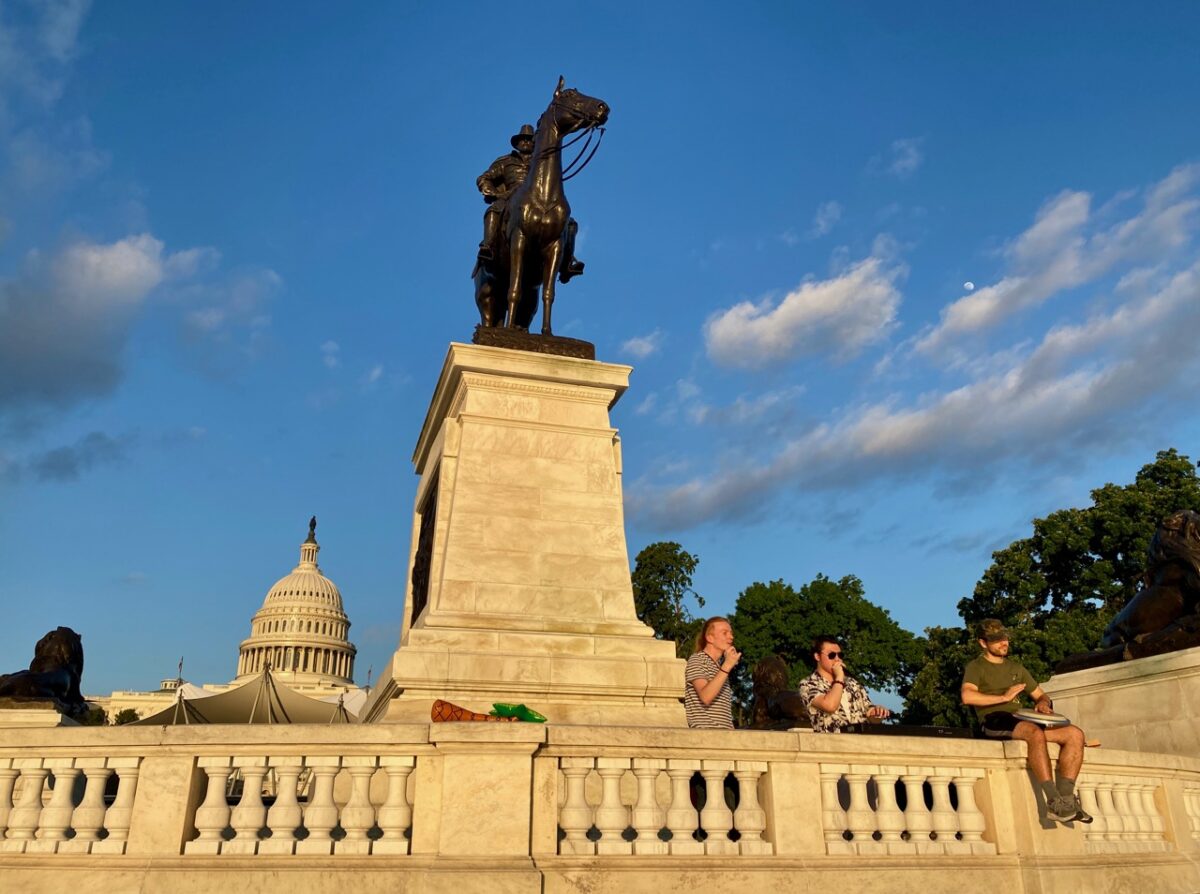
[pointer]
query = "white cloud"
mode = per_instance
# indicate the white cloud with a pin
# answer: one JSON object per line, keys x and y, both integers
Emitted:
{"x": 373, "y": 375}
{"x": 1066, "y": 248}
{"x": 828, "y": 214}
{"x": 329, "y": 354}
{"x": 64, "y": 321}
{"x": 839, "y": 316}
{"x": 642, "y": 346}
{"x": 1082, "y": 386}
{"x": 902, "y": 159}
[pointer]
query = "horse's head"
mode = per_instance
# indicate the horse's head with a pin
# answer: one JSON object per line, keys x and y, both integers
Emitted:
{"x": 574, "y": 110}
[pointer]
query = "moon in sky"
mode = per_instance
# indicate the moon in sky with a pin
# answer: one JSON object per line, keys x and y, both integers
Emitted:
{"x": 969, "y": 286}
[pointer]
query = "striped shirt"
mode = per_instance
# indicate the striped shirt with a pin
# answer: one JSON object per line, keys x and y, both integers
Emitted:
{"x": 719, "y": 713}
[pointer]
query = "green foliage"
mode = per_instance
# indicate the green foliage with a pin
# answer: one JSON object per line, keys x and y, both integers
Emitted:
{"x": 1057, "y": 589}
{"x": 662, "y": 579}
{"x": 775, "y": 619}
{"x": 124, "y": 716}
{"x": 94, "y": 716}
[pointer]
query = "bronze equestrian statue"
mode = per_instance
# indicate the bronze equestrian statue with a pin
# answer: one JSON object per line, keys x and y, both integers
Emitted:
{"x": 1164, "y": 616}
{"x": 529, "y": 240}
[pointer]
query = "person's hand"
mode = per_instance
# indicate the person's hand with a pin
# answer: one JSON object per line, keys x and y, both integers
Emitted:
{"x": 1043, "y": 706}
{"x": 732, "y": 657}
{"x": 839, "y": 672}
{"x": 1013, "y": 691}
{"x": 878, "y": 712}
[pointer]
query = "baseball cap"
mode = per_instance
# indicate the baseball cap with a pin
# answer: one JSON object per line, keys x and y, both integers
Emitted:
{"x": 992, "y": 630}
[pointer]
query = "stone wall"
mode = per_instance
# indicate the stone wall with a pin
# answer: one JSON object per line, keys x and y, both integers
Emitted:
{"x": 527, "y": 807}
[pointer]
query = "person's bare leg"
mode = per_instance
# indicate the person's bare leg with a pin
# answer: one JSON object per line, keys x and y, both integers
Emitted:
{"x": 1039, "y": 758}
{"x": 1070, "y": 754}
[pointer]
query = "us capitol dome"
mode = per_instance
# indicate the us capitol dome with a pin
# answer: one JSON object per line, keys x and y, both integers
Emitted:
{"x": 301, "y": 631}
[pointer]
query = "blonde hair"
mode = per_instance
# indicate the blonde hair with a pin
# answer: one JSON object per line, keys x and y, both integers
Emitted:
{"x": 702, "y": 636}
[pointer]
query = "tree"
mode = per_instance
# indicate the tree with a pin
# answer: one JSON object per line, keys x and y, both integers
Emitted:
{"x": 124, "y": 716}
{"x": 1058, "y": 588}
{"x": 94, "y": 716}
{"x": 662, "y": 579}
{"x": 775, "y": 619}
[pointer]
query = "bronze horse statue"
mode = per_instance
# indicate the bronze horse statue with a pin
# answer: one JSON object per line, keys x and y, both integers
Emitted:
{"x": 535, "y": 235}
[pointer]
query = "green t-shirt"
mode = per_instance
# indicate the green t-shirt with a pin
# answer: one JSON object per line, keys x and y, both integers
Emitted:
{"x": 995, "y": 679}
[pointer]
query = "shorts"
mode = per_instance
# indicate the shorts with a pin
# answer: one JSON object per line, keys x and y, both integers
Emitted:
{"x": 999, "y": 725}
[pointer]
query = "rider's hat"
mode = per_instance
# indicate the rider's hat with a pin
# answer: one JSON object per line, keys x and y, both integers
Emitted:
{"x": 526, "y": 133}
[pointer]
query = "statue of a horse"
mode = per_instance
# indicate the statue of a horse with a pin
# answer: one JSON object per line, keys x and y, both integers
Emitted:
{"x": 535, "y": 232}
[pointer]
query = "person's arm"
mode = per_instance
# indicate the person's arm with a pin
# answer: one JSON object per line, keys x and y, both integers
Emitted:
{"x": 831, "y": 700}
{"x": 708, "y": 690}
{"x": 1042, "y": 703}
{"x": 972, "y": 697}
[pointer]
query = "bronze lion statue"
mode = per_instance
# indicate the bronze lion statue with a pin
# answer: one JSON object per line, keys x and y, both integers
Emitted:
{"x": 1167, "y": 606}
{"x": 54, "y": 673}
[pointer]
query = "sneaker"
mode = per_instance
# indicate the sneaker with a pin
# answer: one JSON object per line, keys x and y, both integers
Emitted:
{"x": 1081, "y": 815}
{"x": 1062, "y": 810}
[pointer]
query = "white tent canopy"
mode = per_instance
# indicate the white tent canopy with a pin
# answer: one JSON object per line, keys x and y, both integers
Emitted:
{"x": 261, "y": 700}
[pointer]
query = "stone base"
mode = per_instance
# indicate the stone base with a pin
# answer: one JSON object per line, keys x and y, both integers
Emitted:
{"x": 1146, "y": 704}
{"x": 522, "y": 340}
{"x": 570, "y": 678}
{"x": 519, "y": 587}
{"x": 34, "y": 717}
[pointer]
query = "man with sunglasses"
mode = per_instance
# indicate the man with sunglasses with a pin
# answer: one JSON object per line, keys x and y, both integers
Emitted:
{"x": 991, "y": 685}
{"x": 834, "y": 698}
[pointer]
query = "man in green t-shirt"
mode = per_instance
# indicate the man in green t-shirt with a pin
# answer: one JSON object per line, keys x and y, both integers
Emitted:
{"x": 991, "y": 685}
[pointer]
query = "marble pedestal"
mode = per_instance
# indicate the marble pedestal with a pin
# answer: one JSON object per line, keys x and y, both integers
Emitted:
{"x": 1147, "y": 704}
{"x": 518, "y": 585}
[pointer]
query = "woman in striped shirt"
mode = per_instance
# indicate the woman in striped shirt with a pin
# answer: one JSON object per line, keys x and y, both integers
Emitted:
{"x": 707, "y": 699}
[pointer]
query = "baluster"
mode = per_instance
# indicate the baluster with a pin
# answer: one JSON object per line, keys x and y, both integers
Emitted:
{"x": 8, "y": 781}
{"x": 88, "y": 818}
{"x": 859, "y": 816}
{"x": 682, "y": 818}
{"x": 612, "y": 817}
{"x": 321, "y": 813}
{"x": 1129, "y": 828}
{"x": 395, "y": 816}
{"x": 1192, "y": 800}
{"x": 120, "y": 812}
{"x": 1114, "y": 822}
{"x": 750, "y": 818}
{"x": 56, "y": 815}
{"x": 250, "y": 815}
{"x": 212, "y": 817}
{"x": 575, "y": 817}
{"x": 358, "y": 816}
{"x": 888, "y": 816}
{"x": 833, "y": 817}
{"x": 1144, "y": 833}
{"x": 945, "y": 820}
{"x": 648, "y": 817}
{"x": 716, "y": 817}
{"x": 284, "y": 816}
{"x": 917, "y": 816}
{"x": 23, "y": 819}
{"x": 971, "y": 821}
{"x": 1093, "y": 832}
{"x": 1146, "y": 789}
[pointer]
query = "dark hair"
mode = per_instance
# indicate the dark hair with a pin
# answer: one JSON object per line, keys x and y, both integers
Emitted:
{"x": 821, "y": 638}
{"x": 702, "y": 636}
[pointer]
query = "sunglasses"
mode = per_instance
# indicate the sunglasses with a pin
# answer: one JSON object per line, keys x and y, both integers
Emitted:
{"x": 833, "y": 655}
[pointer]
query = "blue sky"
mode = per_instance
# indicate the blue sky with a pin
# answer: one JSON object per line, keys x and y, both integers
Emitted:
{"x": 894, "y": 278}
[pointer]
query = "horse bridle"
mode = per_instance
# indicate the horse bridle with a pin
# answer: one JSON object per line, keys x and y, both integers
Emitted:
{"x": 570, "y": 170}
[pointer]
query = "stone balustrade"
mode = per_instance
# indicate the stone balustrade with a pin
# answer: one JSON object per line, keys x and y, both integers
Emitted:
{"x": 561, "y": 803}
